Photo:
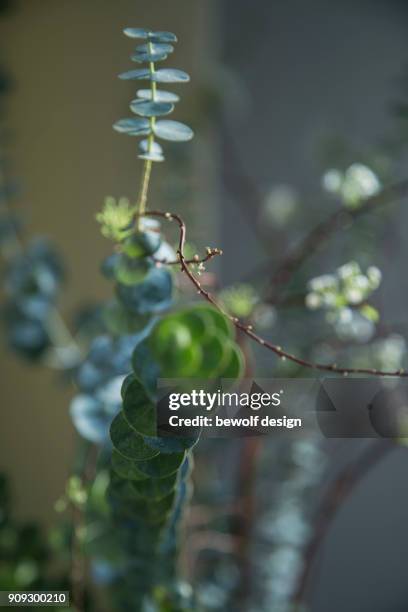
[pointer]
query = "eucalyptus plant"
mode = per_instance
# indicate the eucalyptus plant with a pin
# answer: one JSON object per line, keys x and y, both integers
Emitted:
{"x": 124, "y": 506}
{"x": 149, "y": 484}
{"x": 144, "y": 478}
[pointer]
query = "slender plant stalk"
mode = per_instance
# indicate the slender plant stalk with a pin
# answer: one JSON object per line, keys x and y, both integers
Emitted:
{"x": 147, "y": 170}
{"x": 144, "y": 190}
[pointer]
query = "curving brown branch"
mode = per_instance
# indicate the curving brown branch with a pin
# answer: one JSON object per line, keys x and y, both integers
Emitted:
{"x": 211, "y": 253}
{"x": 248, "y": 329}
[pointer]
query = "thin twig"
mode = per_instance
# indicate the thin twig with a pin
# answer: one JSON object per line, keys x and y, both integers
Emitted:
{"x": 248, "y": 329}
{"x": 211, "y": 253}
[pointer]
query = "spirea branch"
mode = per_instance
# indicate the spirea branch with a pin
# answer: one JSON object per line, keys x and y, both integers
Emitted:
{"x": 248, "y": 329}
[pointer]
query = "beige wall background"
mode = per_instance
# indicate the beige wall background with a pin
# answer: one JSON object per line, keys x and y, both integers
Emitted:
{"x": 64, "y": 56}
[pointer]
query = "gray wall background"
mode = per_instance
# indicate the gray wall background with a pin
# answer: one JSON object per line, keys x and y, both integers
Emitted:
{"x": 308, "y": 69}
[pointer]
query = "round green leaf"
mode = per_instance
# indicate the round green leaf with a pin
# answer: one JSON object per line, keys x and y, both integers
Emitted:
{"x": 198, "y": 322}
{"x": 161, "y": 465}
{"x": 153, "y": 295}
{"x": 131, "y": 271}
{"x": 168, "y": 446}
{"x": 152, "y": 511}
{"x": 159, "y": 96}
{"x": 234, "y": 368}
{"x": 146, "y": 108}
{"x": 125, "y": 468}
{"x": 173, "y": 130}
{"x": 220, "y": 321}
{"x": 170, "y": 334}
{"x": 181, "y": 364}
{"x": 126, "y": 383}
{"x": 139, "y": 410}
{"x": 142, "y": 244}
{"x": 128, "y": 443}
{"x": 155, "y": 488}
{"x": 145, "y": 367}
{"x": 172, "y": 346}
{"x": 215, "y": 354}
{"x": 120, "y": 321}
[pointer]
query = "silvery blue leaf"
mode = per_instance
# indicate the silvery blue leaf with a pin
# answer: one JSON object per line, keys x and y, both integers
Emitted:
{"x": 155, "y": 157}
{"x": 154, "y": 48}
{"x": 173, "y": 130}
{"x": 163, "y": 36}
{"x": 165, "y": 253}
{"x": 155, "y": 154}
{"x": 149, "y": 224}
{"x": 145, "y": 368}
{"x": 159, "y": 96}
{"x": 90, "y": 419}
{"x": 136, "y": 32}
{"x": 104, "y": 572}
{"x": 140, "y": 74}
{"x": 154, "y": 147}
{"x": 154, "y": 294}
{"x": 29, "y": 337}
{"x": 142, "y": 57}
{"x": 109, "y": 395}
{"x": 133, "y": 127}
{"x": 170, "y": 75}
{"x": 145, "y": 108}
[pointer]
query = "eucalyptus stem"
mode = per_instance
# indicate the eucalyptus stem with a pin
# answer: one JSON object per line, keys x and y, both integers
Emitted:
{"x": 144, "y": 190}
{"x": 67, "y": 350}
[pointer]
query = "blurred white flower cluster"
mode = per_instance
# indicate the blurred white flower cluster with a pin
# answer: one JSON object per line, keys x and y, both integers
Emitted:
{"x": 353, "y": 186}
{"x": 279, "y": 207}
{"x": 343, "y": 295}
{"x": 389, "y": 353}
